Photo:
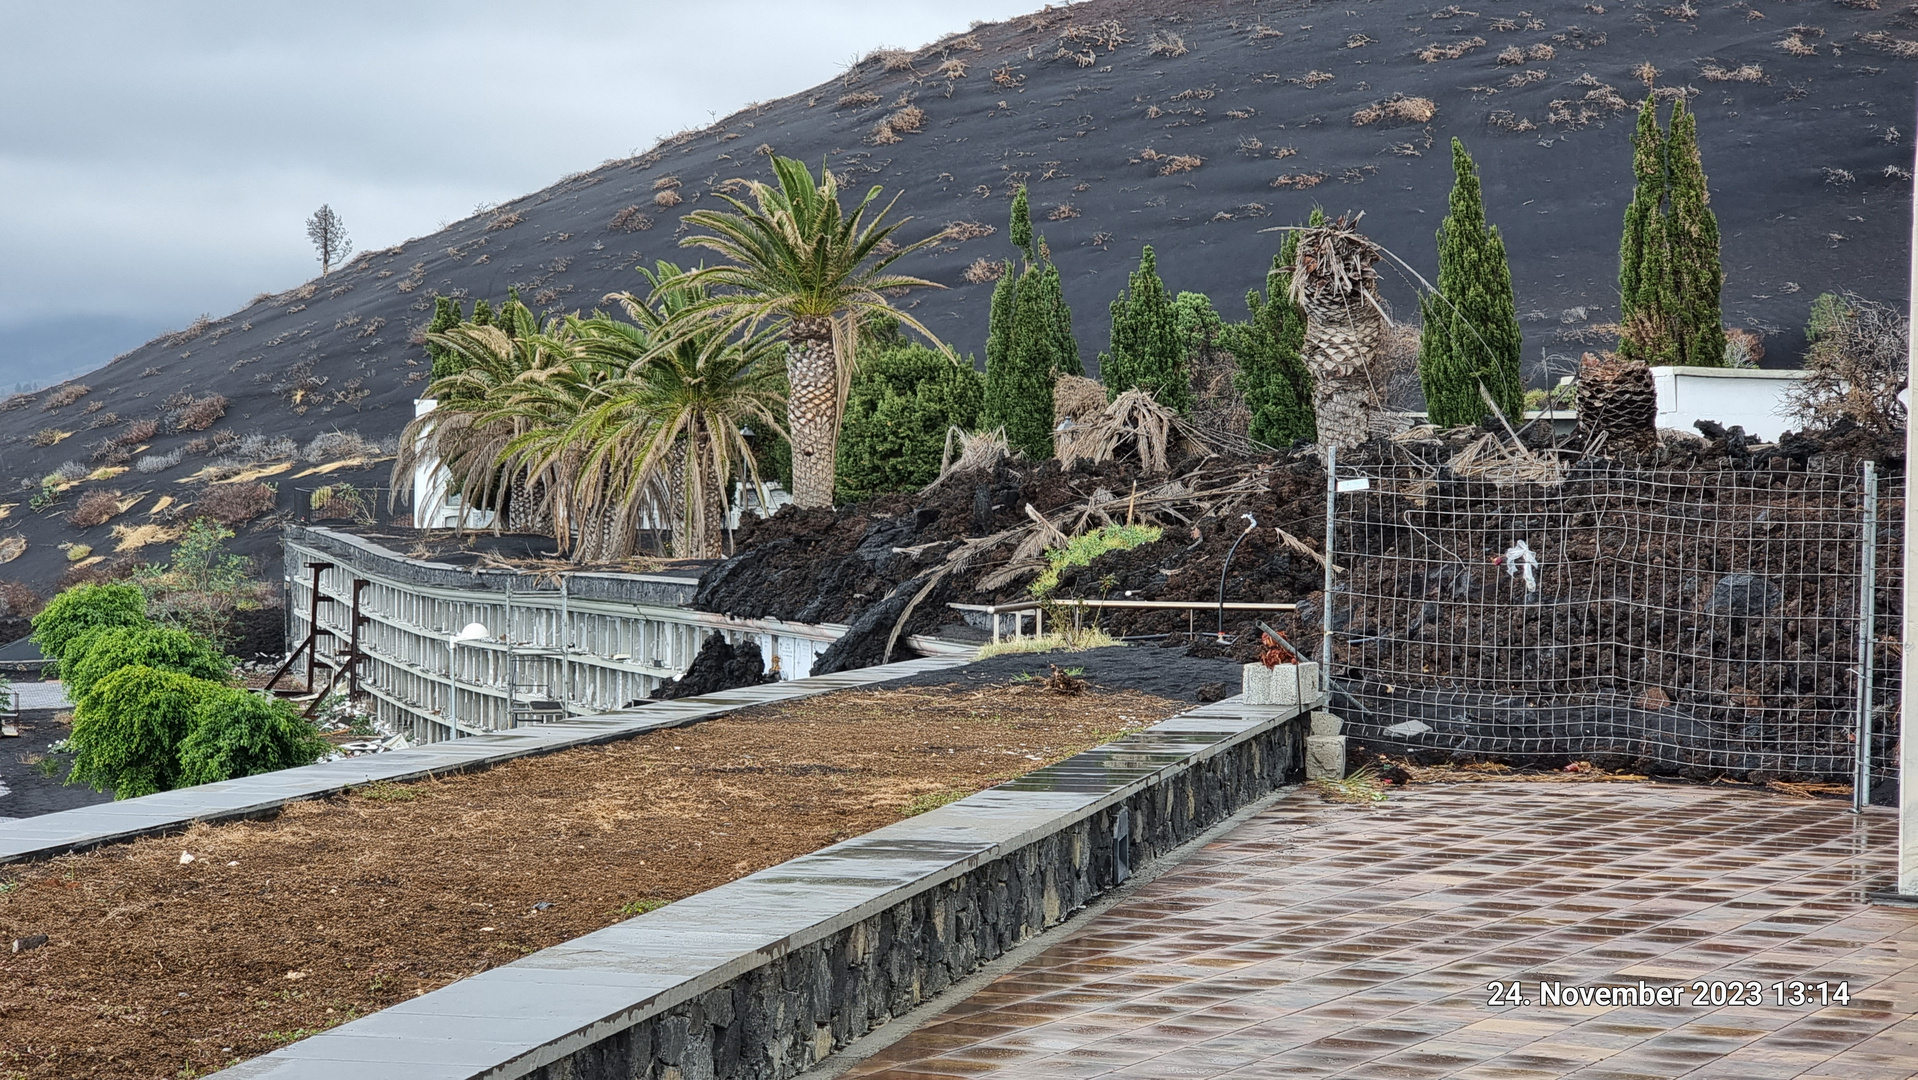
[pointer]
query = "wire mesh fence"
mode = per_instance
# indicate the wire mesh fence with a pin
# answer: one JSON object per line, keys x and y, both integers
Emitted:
{"x": 1688, "y": 622}
{"x": 352, "y": 504}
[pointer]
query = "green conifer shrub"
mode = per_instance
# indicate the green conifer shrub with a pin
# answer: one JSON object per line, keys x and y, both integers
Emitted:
{"x": 83, "y": 608}
{"x": 1022, "y": 223}
{"x": 1029, "y": 342}
{"x": 1471, "y": 336}
{"x": 101, "y": 651}
{"x": 1148, "y": 352}
{"x": 234, "y": 732}
{"x": 1273, "y": 378}
{"x": 126, "y": 737}
{"x": 1064, "y": 348}
{"x": 446, "y": 315}
{"x": 1669, "y": 274}
{"x": 901, "y": 404}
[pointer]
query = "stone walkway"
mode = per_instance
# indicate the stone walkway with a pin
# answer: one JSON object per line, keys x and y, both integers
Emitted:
{"x": 1322, "y": 940}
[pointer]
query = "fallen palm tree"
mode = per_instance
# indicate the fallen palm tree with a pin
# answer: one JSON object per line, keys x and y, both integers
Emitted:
{"x": 1136, "y": 427}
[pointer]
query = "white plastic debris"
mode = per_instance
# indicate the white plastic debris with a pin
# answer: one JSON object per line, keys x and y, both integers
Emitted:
{"x": 1521, "y": 559}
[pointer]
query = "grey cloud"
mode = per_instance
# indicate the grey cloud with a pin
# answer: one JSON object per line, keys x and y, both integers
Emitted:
{"x": 158, "y": 159}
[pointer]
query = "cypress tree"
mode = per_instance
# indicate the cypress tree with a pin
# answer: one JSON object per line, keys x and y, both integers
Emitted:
{"x": 446, "y": 315}
{"x": 1692, "y": 242}
{"x": 1641, "y": 220}
{"x": 482, "y": 313}
{"x": 1064, "y": 349}
{"x": 1029, "y": 342}
{"x": 1024, "y": 385}
{"x": 1148, "y": 352}
{"x": 1471, "y": 335}
{"x": 998, "y": 348}
{"x": 1022, "y": 223}
{"x": 1669, "y": 274}
{"x": 1274, "y": 380}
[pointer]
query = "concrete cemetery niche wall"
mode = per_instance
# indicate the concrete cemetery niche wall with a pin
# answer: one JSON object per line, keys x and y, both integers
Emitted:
{"x": 590, "y": 643}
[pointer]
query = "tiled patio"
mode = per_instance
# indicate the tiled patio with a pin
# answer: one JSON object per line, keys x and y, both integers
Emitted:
{"x": 1325, "y": 940}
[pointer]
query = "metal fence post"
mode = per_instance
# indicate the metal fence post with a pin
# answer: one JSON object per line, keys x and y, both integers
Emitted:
{"x": 1325, "y": 605}
{"x": 1867, "y": 640}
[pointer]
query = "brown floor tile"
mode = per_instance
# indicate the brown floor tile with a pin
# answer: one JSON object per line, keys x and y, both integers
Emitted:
{"x": 1323, "y": 940}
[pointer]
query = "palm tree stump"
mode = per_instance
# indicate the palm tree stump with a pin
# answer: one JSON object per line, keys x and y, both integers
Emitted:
{"x": 1334, "y": 283}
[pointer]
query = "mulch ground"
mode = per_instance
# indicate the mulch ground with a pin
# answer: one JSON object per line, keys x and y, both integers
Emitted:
{"x": 156, "y": 967}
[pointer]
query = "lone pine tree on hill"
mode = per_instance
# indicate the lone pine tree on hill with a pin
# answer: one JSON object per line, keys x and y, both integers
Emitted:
{"x": 328, "y": 234}
{"x": 1273, "y": 378}
{"x": 1029, "y": 342}
{"x": 1148, "y": 351}
{"x": 1669, "y": 274}
{"x": 1471, "y": 337}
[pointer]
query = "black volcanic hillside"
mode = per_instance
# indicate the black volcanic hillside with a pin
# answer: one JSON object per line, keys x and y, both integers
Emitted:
{"x": 1190, "y": 126}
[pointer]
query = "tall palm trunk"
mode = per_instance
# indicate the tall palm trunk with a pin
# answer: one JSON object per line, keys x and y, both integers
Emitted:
{"x": 812, "y": 410}
{"x": 702, "y": 513}
{"x": 1334, "y": 283}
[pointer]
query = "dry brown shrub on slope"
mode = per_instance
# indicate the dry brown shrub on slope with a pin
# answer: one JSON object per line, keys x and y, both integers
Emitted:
{"x": 233, "y": 505}
{"x": 1397, "y": 109}
{"x": 63, "y": 396}
{"x": 1432, "y": 54}
{"x": 632, "y": 219}
{"x": 199, "y": 414}
{"x": 138, "y": 431}
{"x": 982, "y": 271}
{"x": 95, "y": 508}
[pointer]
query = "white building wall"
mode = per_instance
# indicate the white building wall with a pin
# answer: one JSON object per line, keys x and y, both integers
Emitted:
{"x": 1747, "y": 397}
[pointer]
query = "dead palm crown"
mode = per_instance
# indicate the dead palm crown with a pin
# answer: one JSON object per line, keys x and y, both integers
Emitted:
{"x": 799, "y": 262}
{"x": 1334, "y": 283}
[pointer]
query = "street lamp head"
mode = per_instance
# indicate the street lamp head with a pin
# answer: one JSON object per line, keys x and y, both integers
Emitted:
{"x": 471, "y": 632}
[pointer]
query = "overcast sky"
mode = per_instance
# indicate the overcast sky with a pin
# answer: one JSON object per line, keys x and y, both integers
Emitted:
{"x": 159, "y": 159}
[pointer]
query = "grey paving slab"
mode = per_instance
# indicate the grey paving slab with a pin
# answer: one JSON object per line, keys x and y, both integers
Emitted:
{"x": 345, "y": 1047}
{"x": 171, "y": 811}
{"x": 324, "y": 1069}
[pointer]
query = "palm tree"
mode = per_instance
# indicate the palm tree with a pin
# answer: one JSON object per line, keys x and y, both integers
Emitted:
{"x": 1334, "y": 283}
{"x": 673, "y": 420}
{"x": 506, "y": 378}
{"x": 800, "y": 263}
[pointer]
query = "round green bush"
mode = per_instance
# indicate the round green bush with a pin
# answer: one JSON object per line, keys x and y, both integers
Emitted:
{"x": 237, "y": 732}
{"x": 103, "y": 650}
{"x": 126, "y": 734}
{"x": 83, "y": 608}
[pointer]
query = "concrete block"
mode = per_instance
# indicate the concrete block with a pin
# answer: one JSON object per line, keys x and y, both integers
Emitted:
{"x": 1326, "y": 723}
{"x": 1286, "y": 684}
{"x": 1325, "y": 757}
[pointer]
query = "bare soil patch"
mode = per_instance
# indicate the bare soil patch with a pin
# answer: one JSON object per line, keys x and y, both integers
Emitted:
{"x": 155, "y": 967}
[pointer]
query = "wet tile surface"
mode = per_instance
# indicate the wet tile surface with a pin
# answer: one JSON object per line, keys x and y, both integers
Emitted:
{"x": 1322, "y": 940}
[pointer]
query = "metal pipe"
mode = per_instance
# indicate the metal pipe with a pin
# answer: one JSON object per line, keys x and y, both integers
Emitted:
{"x": 1908, "y": 728}
{"x": 1250, "y": 524}
{"x": 1867, "y": 640}
{"x": 452, "y": 686}
{"x": 1325, "y": 604}
{"x": 565, "y": 650}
